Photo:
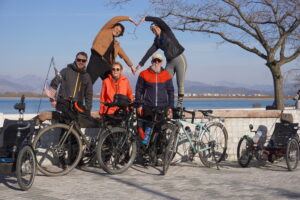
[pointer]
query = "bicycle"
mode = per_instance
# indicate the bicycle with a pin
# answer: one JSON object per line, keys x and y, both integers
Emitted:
{"x": 208, "y": 140}
{"x": 162, "y": 141}
{"x": 117, "y": 148}
{"x": 284, "y": 143}
{"x": 61, "y": 146}
{"x": 16, "y": 153}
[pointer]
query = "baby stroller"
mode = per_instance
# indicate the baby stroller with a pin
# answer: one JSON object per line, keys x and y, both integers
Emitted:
{"x": 284, "y": 142}
{"x": 16, "y": 153}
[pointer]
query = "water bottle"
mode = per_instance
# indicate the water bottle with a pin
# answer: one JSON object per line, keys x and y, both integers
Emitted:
{"x": 189, "y": 131}
{"x": 147, "y": 134}
{"x": 6, "y": 160}
{"x": 256, "y": 137}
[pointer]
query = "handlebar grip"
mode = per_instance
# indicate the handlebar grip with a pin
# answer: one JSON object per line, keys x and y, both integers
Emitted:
{"x": 193, "y": 113}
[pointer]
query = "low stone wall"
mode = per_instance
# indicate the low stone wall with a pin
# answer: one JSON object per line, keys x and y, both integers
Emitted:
{"x": 236, "y": 122}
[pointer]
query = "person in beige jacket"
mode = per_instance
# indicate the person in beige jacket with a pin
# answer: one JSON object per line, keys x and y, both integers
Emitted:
{"x": 106, "y": 48}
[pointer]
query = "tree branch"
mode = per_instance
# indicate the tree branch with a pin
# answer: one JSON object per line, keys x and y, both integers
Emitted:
{"x": 255, "y": 28}
{"x": 290, "y": 58}
{"x": 216, "y": 21}
{"x": 222, "y": 35}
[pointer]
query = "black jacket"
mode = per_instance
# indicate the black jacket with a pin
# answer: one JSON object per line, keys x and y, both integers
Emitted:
{"x": 74, "y": 83}
{"x": 166, "y": 42}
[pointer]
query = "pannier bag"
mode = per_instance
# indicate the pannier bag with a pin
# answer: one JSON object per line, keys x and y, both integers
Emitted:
{"x": 121, "y": 100}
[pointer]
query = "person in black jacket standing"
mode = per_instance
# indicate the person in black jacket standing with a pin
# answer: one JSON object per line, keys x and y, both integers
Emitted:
{"x": 173, "y": 51}
{"x": 73, "y": 83}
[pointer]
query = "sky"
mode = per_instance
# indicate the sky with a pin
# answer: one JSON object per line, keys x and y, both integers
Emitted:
{"x": 34, "y": 31}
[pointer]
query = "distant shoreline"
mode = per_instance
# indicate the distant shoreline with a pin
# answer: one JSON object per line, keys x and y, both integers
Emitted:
{"x": 187, "y": 98}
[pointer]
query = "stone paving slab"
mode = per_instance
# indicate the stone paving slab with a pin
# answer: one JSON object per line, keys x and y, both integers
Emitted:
{"x": 183, "y": 181}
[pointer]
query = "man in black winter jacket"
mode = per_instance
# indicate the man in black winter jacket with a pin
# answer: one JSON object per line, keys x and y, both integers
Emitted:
{"x": 73, "y": 83}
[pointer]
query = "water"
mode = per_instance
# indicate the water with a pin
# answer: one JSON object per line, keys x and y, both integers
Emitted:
{"x": 6, "y": 104}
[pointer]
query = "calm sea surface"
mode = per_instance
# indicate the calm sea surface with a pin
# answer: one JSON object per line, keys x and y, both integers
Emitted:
{"x": 6, "y": 104}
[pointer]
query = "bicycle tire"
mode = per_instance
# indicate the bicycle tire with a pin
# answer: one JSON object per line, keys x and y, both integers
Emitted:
{"x": 115, "y": 151}
{"x": 292, "y": 154}
{"x": 208, "y": 157}
{"x": 54, "y": 160}
{"x": 244, "y": 152}
{"x": 26, "y": 168}
{"x": 171, "y": 136}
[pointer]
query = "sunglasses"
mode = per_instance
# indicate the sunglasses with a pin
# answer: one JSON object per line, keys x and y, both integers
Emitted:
{"x": 156, "y": 60}
{"x": 80, "y": 60}
{"x": 116, "y": 69}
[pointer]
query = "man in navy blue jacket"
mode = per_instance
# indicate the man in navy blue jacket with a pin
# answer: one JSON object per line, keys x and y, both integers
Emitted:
{"x": 154, "y": 89}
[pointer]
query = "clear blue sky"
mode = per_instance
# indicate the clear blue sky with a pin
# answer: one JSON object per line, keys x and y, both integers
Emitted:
{"x": 33, "y": 31}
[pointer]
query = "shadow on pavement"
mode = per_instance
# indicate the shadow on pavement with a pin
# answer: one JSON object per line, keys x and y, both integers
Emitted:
{"x": 8, "y": 181}
{"x": 115, "y": 178}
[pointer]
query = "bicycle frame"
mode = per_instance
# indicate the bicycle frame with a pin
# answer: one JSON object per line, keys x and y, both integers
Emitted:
{"x": 203, "y": 129}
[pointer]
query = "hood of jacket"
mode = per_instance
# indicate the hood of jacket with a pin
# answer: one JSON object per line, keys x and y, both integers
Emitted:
{"x": 119, "y": 79}
{"x": 74, "y": 67}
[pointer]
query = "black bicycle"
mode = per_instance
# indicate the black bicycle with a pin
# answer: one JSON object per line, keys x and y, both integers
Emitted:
{"x": 162, "y": 146}
{"x": 61, "y": 146}
{"x": 16, "y": 153}
{"x": 117, "y": 146}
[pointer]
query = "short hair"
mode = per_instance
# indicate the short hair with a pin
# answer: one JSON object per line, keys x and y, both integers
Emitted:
{"x": 122, "y": 27}
{"x": 82, "y": 53}
{"x": 117, "y": 63}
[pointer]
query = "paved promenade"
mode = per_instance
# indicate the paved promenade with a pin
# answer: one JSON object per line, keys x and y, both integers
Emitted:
{"x": 183, "y": 181}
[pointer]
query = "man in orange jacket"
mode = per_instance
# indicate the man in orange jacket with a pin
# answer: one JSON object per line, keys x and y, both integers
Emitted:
{"x": 115, "y": 83}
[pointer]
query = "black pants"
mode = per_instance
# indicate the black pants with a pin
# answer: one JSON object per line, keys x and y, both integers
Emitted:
{"x": 98, "y": 66}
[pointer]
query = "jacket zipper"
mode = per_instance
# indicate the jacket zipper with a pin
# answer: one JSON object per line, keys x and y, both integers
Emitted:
{"x": 156, "y": 90}
{"x": 76, "y": 85}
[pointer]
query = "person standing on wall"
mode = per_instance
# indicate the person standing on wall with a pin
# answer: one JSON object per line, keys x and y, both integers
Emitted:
{"x": 106, "y": 48}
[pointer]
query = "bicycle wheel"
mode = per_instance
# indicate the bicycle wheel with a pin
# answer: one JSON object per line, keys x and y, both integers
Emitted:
{"x": 213, "y": 144}
{"x": 116, "y": 150}
{"x": 58, "y": 149}
{"x": 292, "y": 154}
{"x": 26, "y": 168}
{"x": 170, "y": 134}
{"x": 244, "y": 151}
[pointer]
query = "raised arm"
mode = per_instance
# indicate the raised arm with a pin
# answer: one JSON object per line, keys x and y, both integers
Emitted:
{"x": 149, "y": 53}
{"x": 115, "y": 20}
{"x": 159, "y": 22}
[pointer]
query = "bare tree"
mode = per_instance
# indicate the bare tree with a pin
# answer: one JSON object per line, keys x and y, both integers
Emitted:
{"x": 267, "y": 28}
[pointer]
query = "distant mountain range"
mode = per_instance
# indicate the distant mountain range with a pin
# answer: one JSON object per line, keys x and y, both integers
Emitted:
{"x": 32, "y": 83}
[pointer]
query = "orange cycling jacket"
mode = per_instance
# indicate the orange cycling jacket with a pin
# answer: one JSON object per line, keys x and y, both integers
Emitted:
{"x": 110, "y": 88}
